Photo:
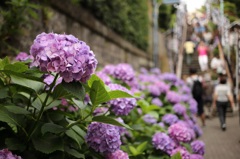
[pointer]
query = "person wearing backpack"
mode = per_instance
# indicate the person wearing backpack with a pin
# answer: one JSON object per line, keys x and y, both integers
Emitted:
{"x": 222, "y": 97}
{"x": 195, "y": 82}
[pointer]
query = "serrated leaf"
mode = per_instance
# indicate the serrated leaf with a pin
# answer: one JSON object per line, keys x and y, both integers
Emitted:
{"x": 109, "y": 120}
{"x": 177, "y": 156}
{"x": 142, "y": 147}
{"x": 119, "y": 94}
{"x": 15, "y": 144}
{"x": 16, "y": 67}
{"x": 52, "y": 128}
{"x": 98, "y": 93}
{"x": 74, "y": 153}
{"x": 60, "y": 92}
{"x": 48, "y": 143}
{"x": 17, "y": 109}
{"x": 74, "y": 88}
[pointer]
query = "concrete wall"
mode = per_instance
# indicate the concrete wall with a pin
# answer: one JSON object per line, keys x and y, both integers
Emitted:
{"x": 108, "y": 46}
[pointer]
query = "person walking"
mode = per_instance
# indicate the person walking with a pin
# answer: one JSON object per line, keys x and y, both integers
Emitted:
{"x": 195, "y": 82}
{"x": 203, "y": 56}
{"x": 221, "y": 98}
{"x": 189, "y": 50}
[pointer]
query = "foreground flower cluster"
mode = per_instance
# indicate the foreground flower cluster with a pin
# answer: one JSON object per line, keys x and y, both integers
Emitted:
{"x": 60, "y": 108}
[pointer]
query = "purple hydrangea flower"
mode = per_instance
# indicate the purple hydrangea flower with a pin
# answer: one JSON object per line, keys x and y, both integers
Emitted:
{"x": 104, "y": 77}
{"x": 169, "y": 119}
{"x": 164, "y": 87}
{"x": 161, "y": 124}
{"x": 157, "y": 101}
{"x": 196, "y": 156}
{"x": 143, "y": 70}
{"x": 193, "y": 106}
{"x": 122, "y": 130}
{"x": 103, "y": 138}
{"x": 155, "y": 91}
{"x": 63, "y": 54}
{"x": 124, "y": 72}
{"x": 155, "y": 71}
{"x": 162, "y": 141}
{"x": 184, "y": 153}
{"x": 179, "y": 109}
{"x": 197, "y": 130}
{"x": 179, "y": 133}
{"x": 185, "y": 98}
{"x": 173, "y": 97}
{"x": 170, "y": 77}
{"x": 186, "y": 90}
{"x": 119, "y": 154}
{"x": 108, "y": 69}
{"x": 121, "y": 106}
{"x": 198, "y": 147}
{"x": 86, "y": 99}
{"x": 23, "y": 56}
{"x": 6, "y": 154}
{"x": 100, "y": 111}
{"x": 49, "y": 80}
{"x": 149, "y": 119}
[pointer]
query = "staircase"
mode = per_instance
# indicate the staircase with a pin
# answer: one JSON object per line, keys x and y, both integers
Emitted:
{"x": 194, "y": 64}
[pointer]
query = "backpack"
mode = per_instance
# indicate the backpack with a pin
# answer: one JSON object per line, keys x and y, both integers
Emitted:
{"x": 197, "y": 89}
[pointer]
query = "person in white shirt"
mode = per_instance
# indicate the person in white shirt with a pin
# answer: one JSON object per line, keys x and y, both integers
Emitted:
{"x": 221, "y": 98}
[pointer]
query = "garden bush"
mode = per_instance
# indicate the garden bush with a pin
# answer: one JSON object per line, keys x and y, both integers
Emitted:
{"x": 54, "y": 105}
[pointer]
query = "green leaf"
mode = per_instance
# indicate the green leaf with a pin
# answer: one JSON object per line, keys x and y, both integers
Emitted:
{"x": 177, "y": 156}
{"x": 75, "y": 136}
{"x": 17, "y": 110}
{"x": 74, "y": 153}
{"x": 109, "y": 120}
{"x": 48, "y": 143}
{"x": 15, "y": 144}
{"x": 133, "y": 151}
{"x": 142, "y": 147}
{"x": 60, "y": 92}
{"x": 119, "y": 94}
{"x": 11, "y": 119}
{"x": 31, "y": 84}
{"x": 52, "y": 128}
{"x": 79, "y": 104}
{"x": 4, "y": 62}
{"x": 94, "y": 78}
{"x": 74, "y": 88}
{"x": 16, "y": 67}
{"x": 98, "y": 93}
{"x": 3, "y": 93}
{"x": 154, "y": 114}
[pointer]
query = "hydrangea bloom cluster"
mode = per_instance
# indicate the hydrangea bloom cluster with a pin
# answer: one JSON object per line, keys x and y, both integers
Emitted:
{"x": 103, "y": 138}
{"x": 162, "y": 86}
{"x": 161, "y": 124}
{"x": 157, "y": 101}
{"x": 169, "y": 119}
{"x": 173, "y": 97}
{"x": 124, "y": 72}
{"x": 122, "y": 130}
{"x": 6, "y": 154}
{"x": 198, "y": 147}
{"x": 104, "y": 77}
{"x": 170, "y": 77}
{"x": 108, "y": 69}
{"x": 155, "y": 91}
{"x": 121, "y": 106}
{"x": 162, "y": 141}
{"x": 119, "y": 154}
{"x": 179, "y": 133}
{"x": 100, "y": 111}
{"x": 196, "y": 156}
{"x": 63, "y": 54}
{"x": 149, "y": 119}
{"x": 197, "y": 130}
{"x": 185, "y": 98}
{"x": 184, "y": 153}
{"x": 192, "y": 106}
{"x": 179, "y": 109}
{"x": 23, "y": 56}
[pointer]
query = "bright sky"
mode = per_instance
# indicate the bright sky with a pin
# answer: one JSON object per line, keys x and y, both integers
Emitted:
{"x": 192, "y": 5}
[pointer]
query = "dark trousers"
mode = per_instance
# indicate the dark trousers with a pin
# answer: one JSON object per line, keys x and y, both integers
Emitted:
{"x": 222, "y": 109}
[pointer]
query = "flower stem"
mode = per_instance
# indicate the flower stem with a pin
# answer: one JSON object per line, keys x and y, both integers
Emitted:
{"x": 43, "y": 106}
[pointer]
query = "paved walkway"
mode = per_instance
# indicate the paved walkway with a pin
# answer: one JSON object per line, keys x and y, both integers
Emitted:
{"x": 222, "y": 144}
